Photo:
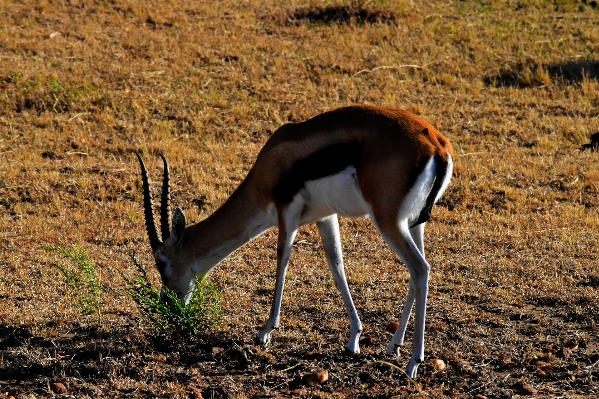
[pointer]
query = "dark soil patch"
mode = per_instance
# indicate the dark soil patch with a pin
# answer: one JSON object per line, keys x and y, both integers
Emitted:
{"x": 226, "y": 365}
{"x": 338, "y": 14}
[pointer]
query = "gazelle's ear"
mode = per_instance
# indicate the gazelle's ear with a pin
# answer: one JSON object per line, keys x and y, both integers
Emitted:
{"x": 178, "y": 224}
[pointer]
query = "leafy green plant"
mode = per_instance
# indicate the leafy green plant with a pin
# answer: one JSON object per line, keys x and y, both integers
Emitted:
{"x": 201, "y": 313}
{"x": 82, "y": 278}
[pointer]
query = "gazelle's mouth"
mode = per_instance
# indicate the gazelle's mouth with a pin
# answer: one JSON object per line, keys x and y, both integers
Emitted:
{"x": 188, "y": 297}
{"x": 185, "y": 299}
{"x": 164, "y": 298}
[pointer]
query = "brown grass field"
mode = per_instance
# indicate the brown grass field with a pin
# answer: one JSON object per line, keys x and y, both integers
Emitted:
{"x": 514, "y": 295}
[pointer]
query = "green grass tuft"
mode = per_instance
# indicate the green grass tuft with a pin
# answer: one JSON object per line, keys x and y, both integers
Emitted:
{"x": 82, "y": 278}
{"x": 202, "y": 313}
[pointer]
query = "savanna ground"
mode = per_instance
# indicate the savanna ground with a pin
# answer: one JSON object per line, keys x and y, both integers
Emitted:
{"x": 514, "y": 294}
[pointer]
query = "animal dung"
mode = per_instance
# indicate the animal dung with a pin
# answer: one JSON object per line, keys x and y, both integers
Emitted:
{"x": 58, "y": 387}
{"x": 391, "y": 327}
{"x": 194, "y": 392}
{"x": 316, "y": 378}
{"x": 526, "y": 389}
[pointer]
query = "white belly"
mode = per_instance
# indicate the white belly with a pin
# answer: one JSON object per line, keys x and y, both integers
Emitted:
{"x": 337, "y": 193}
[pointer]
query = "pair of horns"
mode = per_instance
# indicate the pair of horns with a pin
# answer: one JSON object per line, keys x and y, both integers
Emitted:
{"x": 165, "y": 204}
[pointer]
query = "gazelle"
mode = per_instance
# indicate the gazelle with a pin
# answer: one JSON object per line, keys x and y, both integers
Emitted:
{"x": 390, "y": 165}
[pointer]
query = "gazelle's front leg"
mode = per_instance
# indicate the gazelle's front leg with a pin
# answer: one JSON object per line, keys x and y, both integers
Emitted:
{"x": 329, "y": 231}
{"x": 288, "y": 224}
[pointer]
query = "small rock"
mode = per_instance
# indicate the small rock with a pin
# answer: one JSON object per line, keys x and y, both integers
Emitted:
{"x": 479, "y": 396}
{"x": 299, "y": 392}
{"x": 526, "y": 389}
{"x": 391, "y": 327}
{"x": 194, "y": 392}
{"x": 316, "y": 378}
{"x": 438, "y": 364}
{"x": 58, "y": 387}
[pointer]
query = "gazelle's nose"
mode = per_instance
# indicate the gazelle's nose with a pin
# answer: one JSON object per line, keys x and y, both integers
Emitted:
{"x": 166, "y": 300}
{"x": 164, "y": 297}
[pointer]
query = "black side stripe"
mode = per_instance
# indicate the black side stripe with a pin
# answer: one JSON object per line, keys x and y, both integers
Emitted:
{"x": 441, "y": 171}
{"x": 328, "y": 161}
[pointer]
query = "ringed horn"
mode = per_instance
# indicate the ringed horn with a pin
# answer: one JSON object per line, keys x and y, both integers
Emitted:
{"x": 165, "y": 206}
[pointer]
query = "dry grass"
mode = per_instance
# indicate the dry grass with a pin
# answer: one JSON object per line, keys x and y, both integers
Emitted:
{"x": 513, "y": 244}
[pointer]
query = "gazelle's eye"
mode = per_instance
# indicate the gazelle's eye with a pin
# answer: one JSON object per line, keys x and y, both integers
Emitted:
{"x": 161, "y": 265}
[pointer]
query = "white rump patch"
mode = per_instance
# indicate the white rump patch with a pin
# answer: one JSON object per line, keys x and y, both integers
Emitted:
{"x": 415, "y": 201}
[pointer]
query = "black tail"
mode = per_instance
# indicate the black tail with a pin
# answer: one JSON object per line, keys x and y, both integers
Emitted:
{"x": 441, "y": 171}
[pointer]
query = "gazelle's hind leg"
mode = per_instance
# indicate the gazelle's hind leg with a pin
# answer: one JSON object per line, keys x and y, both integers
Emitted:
{"x": 395, "y": 204}
{"x": 400, "y": 240}
{"x": 417, "y": 234}
{"x": 329, "y": 231}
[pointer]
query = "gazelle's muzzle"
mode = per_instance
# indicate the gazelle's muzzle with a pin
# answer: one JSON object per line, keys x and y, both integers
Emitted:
{"x": 166, "y": 300}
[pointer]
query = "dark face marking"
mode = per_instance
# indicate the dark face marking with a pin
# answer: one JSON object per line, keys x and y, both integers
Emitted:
{"x": 161, "y": 266}
{"x": 326, "y": 162}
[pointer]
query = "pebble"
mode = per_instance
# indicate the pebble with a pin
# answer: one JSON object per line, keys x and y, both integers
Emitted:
{"x": 438, "y": 364}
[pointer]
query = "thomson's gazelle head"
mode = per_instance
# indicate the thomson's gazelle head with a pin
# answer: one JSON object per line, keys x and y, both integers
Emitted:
{"x": 172, "y": 263}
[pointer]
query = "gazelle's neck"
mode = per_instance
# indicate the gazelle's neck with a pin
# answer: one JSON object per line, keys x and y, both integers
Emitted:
{"x": 240, "y": 219}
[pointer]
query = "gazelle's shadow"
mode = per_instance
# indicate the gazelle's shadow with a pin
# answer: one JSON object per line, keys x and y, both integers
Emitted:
{"x": 530, "y": 74}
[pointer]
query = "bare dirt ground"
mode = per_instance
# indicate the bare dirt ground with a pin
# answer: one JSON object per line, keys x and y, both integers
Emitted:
{"x": 514, "y": 295}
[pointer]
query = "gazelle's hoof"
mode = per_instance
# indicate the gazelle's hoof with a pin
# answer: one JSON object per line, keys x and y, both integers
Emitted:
{"x": 393, "y": 349}
{"x": 263, "y": 341}
{"x": 263, "y": 337}
{"x": 353, "y": 346}
{"x": 412, "y": 369}
{"x": 353, "y": 349}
